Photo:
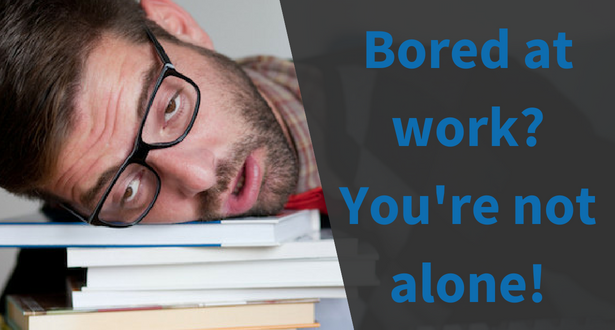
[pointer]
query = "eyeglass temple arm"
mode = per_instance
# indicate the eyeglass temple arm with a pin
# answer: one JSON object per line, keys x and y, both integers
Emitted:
{"x": 74, "y": 213}
{"x": 158, "y": 47}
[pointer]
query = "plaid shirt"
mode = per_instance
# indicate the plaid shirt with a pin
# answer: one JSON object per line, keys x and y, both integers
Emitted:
{"x": 277, "y": 79}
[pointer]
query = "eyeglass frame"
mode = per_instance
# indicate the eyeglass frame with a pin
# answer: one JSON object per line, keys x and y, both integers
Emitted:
{"x": 141, "y": 149}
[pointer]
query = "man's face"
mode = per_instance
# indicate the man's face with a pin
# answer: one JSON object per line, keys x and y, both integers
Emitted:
{"x": 235, "y": 160}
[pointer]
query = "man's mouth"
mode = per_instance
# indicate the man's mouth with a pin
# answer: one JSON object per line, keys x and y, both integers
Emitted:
{"x": 246, "y": 188}
{"x": 241, "y": 181}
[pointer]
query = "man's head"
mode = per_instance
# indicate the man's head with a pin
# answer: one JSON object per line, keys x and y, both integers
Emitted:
{"x": 77, "y": 93}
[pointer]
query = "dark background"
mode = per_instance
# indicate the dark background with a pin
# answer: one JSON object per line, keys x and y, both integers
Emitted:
{"x": 349, "y": 111}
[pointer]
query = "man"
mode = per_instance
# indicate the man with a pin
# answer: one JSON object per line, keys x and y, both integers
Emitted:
{"x": 79, "y": 93}
{"x": 122, "y": 113}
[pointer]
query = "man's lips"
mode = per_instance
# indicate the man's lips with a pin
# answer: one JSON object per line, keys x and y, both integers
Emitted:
{"x": 245, "y": 188}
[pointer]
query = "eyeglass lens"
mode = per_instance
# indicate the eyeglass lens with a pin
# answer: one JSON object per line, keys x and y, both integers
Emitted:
{"x": 171, "y": 111}
{"x": 130, "y": 196}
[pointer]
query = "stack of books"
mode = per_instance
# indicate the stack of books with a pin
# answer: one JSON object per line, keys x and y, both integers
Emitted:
{"x": 258, "y": 273}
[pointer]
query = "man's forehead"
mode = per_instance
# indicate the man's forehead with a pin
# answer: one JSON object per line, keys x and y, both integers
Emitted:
{"x": 105, "y": 116}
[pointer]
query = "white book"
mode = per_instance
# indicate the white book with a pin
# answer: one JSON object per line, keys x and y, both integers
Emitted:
{"x": 318, "y": 244}
{"x": 243, "y": 274}
{"x": 114, "y": 299}
{"x": 262, "y": 231}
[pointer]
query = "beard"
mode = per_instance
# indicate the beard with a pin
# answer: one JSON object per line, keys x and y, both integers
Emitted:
{"x": 281, "y": 169}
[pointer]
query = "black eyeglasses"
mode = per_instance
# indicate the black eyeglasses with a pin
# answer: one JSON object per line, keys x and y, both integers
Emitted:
{"x": 168, "y": 118}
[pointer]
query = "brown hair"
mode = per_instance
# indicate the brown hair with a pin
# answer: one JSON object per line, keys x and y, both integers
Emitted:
{"x": 43, "y": 48}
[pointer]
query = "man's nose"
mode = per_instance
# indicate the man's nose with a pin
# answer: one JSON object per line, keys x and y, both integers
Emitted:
{"x": 189, "y": 171}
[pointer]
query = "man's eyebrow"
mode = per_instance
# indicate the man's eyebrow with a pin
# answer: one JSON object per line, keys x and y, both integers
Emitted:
{"x": 88, "y": 199}
{"x": 148, "y": 78}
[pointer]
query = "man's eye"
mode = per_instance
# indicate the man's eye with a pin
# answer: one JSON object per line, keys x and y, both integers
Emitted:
{"x": 172, "y": 108}
{"x": 131, "y": 191}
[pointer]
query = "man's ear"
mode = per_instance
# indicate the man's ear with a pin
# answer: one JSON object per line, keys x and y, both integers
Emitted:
{"x": 176, "y": 21}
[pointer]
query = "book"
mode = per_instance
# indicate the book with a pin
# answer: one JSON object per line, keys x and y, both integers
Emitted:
{"x": 262, "y": 231}
{"x": 85, "y": 299}
{"x": 244, "y": 274}
{"x": 318, "y": 244}
{"x": 50, "y": 312}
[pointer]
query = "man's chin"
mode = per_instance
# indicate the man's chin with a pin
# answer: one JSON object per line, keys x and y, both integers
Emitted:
{"x": 259, "y": 211}
{"x": 264, "y": 206}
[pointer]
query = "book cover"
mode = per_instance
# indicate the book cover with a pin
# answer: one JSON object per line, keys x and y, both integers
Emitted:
{"x": 317, "y": 244}
{"x": 50, "y": 312}
{"x": 262, "y": 231}
{"x": 244, "y": 274}
{"x": 211, "y": 297}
